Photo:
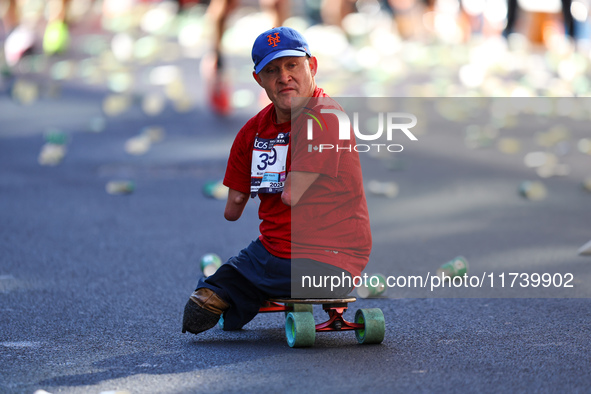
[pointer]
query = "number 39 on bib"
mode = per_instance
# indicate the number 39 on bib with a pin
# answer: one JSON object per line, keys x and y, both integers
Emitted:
{"x": 268, "y": 170}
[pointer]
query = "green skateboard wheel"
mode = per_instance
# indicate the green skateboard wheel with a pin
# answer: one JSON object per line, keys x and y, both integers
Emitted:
{"x": 374, "y": 326}
{"x": 300, "y": 329}
{"x": 453, "y": 268}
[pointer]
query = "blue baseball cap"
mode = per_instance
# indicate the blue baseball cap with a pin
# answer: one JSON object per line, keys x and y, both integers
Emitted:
{"x": 275, "y": 43}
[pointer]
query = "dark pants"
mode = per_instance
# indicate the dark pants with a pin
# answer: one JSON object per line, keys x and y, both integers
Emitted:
{"x": 255, "y": 275}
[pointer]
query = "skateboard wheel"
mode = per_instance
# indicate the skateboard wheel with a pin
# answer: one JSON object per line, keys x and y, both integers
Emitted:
{"x": 222, "y": 325}
{"x": 300, "y": 329}
{"x": 374, "y": 326}
{"x": 299, "y": 308}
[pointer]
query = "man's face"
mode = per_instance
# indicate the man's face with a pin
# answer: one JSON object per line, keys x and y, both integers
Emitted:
{"x": 285, "y": 78}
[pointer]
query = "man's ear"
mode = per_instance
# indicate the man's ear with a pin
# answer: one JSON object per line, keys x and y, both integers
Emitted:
{"x": 257, "y": 78}
{"x": 313, "y": 65}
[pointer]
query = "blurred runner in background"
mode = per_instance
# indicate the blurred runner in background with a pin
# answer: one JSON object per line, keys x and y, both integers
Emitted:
{"x": 20, "y": 31}
{"x": 513, "y": 11}
{"x": 213, "y": 67}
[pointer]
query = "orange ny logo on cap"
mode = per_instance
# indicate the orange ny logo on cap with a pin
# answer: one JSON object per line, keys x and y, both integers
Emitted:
{"x": 273, "y": 40}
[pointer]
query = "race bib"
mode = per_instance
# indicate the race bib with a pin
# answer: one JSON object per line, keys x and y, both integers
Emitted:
{"x": 268, "y": 170}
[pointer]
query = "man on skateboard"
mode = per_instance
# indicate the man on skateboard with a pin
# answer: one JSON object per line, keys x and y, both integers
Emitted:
{"x": 312, "y": 204}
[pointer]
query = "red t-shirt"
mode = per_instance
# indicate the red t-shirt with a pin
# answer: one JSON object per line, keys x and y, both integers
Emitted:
{"x": 330, "y": 223}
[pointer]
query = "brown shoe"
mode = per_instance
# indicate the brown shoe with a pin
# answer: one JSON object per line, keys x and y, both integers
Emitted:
{"x": 203, "y": 311}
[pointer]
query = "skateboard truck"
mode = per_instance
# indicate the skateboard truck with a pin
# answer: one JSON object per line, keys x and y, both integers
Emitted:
{"x": 272, "y": 306}
{"x": 336, "y": 321}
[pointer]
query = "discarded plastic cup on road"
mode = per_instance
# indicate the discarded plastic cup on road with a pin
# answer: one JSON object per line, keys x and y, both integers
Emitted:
{"x": 154, "y": 133}
{"x": 120, "y": 187}
{"x": 51, "y": 154}
{"x": 584, "y": 146}
{"x": 456, "y": 267}
{"x": 56, "y": 137}
{"x": 116, "y": 104}
{"x": 215, "y": 189}
{"x": 509, "y": 146}
{"x": 585, "y": 250}
{"x": 374, "y": 287}
{"x": 24, "y": 92}
{"x": 210, "y": 263}
{"x": 533, "y": 190}
{"x": 553, "y": 136}
{"x": 138, "y": 145}
{"x": 553, "y": 170}
{"x": 387, "y": 189}
{"x": 153, "y": 104}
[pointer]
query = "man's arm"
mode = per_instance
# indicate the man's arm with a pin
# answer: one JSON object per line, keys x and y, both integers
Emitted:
{"x": 296, "y": 184}
{"x": 235, "y": 205}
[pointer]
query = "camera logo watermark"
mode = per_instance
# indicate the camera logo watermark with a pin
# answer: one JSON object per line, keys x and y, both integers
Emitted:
{"x": 345, "y": 131}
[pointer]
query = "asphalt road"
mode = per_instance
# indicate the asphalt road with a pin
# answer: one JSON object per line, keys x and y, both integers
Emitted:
{"x": 92, "y": 285}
